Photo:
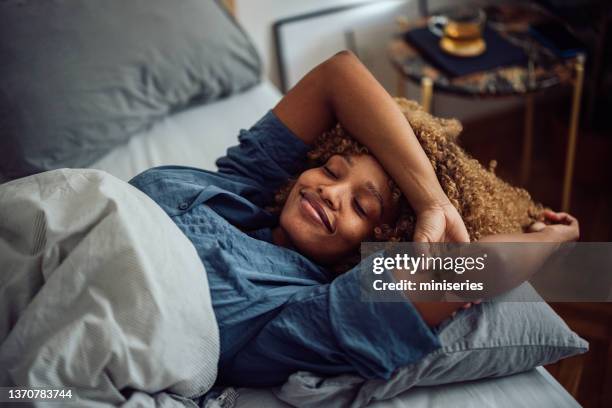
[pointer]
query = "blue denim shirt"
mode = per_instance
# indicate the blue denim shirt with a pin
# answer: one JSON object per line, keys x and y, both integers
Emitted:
{"x": 278, "y": 312}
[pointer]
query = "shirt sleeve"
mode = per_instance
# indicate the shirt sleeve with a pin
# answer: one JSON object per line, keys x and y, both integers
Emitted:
{"x": 329, "y": 330}
{"x": 268, "y": 154}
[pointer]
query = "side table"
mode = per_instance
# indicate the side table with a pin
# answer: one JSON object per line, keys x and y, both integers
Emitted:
{"x": 543, "y": 71}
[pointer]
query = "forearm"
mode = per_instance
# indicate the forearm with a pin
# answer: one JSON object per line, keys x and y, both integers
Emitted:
{"x": 343, "y": 90}
{"x": 507, "y": 267}
{"x": 369, "y": 113}
{"x": 514, "y": 259}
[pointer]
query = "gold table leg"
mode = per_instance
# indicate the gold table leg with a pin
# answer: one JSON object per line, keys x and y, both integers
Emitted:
{"x": 527, "y": 140}
{"x": 573, "y": 135}
{"x": 401, "y": 86}
{"x": 426, "y": 93}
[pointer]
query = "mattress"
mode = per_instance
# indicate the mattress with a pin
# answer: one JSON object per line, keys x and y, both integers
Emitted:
{"x": 197, "y": 137}
{"x": 535, "y": 388}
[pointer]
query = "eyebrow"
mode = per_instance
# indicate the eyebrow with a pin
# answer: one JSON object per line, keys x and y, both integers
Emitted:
{"x": 369, "y": 185}
{"x": 347, "y": 159}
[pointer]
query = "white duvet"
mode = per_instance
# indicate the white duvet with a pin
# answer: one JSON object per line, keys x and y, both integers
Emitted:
{"x": 101, "y": 292}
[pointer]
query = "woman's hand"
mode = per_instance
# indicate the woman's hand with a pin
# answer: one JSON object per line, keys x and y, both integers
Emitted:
{"x": 558, "y": 226}
{"x": 440, "y": 223}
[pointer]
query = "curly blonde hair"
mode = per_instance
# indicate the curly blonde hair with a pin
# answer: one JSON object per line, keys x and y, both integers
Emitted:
{"x": 487, "y": 204}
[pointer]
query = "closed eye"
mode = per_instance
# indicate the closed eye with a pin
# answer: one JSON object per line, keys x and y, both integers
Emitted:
{"x": 359, "y": 209}
{"x": 329, "y": 172}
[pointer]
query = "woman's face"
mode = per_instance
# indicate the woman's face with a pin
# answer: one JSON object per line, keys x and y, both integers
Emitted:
{"x": 333, "y": 208}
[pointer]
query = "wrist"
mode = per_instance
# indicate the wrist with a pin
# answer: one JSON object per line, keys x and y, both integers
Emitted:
{"x": 432, "y": 203}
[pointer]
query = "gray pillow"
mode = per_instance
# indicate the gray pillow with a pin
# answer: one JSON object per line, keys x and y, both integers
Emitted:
{"x": 79, "y": 77}
{"x": 493, "y": 339}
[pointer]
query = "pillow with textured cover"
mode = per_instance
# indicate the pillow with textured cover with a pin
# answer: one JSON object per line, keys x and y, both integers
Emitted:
{"x": 493, "y": 339}
{"x": 80, "y": 77}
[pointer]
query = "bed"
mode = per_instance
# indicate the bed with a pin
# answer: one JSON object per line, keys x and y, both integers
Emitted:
{"x": 196, "y": 137}
{"x": 122, "y": 82}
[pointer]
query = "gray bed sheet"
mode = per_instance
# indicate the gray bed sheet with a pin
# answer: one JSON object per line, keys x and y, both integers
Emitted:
{"x": 200, "y": 135}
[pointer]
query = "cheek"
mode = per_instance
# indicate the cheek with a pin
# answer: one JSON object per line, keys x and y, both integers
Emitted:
{"x": 310, "y": 178}
{"x": 293, "y": 223}
{"x": 352, "y": 230}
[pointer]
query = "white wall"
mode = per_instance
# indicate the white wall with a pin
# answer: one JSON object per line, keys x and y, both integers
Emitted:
{"x": 258, "y": 17}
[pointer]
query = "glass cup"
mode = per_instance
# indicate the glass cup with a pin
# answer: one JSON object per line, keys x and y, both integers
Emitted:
{"x": 460, "y": 31}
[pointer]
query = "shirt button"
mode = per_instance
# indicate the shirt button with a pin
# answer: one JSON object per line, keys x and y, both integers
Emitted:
{"x": 183, "y": 206}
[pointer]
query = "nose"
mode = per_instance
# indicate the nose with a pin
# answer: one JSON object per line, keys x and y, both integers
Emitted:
{"x": 331, "y": 195}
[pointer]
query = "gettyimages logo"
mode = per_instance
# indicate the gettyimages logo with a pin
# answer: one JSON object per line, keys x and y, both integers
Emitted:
{"x": 580, "y": 272}
{"x": 412, "y": 264}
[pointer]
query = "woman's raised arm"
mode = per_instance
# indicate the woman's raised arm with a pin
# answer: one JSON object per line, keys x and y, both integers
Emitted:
{"x": 342, "y": 90}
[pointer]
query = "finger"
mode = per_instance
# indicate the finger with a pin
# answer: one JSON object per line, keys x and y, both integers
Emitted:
{"x": 420, "y": 237}
{"x": 458, "y": 237}
{"x": 423, "y": 232}
{"x": 560, "y": 218}
{"x": 459, "y": 233}
{"x": 551, "y": 215}
{"x": 564, "y": 215}
{"x": 462, "y": 236}
{"x": 423, "y": 248}
{"x": 570, "y": 219}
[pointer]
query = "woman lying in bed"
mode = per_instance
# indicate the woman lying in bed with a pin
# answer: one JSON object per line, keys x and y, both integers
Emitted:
{"x": 280, "y": 303}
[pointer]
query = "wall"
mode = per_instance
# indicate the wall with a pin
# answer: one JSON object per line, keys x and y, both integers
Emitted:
{"x": 258, "y": 17}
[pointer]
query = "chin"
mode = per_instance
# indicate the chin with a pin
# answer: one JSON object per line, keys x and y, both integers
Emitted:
{"x": 304, "y": 238}
{"x": 300, "y": 235}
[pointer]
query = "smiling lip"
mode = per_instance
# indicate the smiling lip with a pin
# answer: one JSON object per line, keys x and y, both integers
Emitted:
{"x": 315, "y": 210}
